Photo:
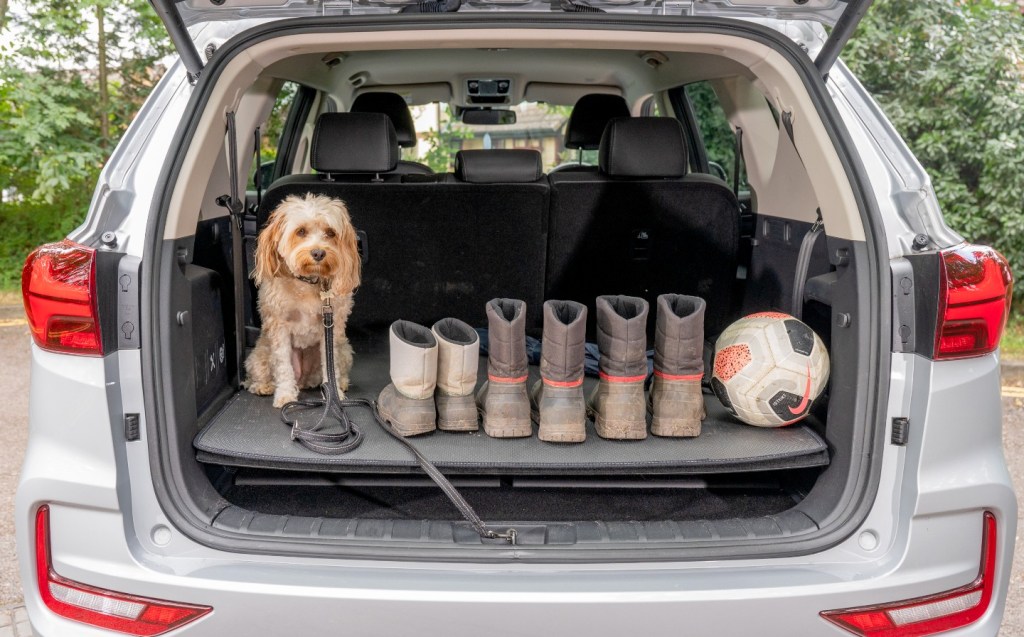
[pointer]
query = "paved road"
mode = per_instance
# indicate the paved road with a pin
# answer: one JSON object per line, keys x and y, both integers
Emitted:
{"x": 14, "y": 340}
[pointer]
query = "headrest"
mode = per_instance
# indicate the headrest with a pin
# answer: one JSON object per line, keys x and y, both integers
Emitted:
{"x": 392, "y": 105}
{"x": 589, "y": 117}
{"x": 643, "y": 147}
{"x": 499, "y": 166}
{"x": 354, "y": 143}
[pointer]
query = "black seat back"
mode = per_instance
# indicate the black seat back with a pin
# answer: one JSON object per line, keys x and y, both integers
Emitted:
{"x": 586, "y": 124}
{"x": 640, "y": 227}
{"x": 433, "y": 250}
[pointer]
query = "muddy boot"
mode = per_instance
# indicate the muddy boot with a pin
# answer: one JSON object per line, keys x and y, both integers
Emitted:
{"x": 557, "y": 399}
{"x": 458, "y": 355}
{"x": 618, "y": 402}
{"x": 408, "y": 402}
{"x": 676, "y": 400}
{"x": 502, "y": 400}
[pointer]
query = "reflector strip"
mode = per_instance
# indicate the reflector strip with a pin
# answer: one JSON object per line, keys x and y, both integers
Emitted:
{"x": 941, "y": 608}
{"x": 98, "y": 603}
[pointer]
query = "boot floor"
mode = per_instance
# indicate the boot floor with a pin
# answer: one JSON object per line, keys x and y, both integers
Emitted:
{"x": 248, "y": 432}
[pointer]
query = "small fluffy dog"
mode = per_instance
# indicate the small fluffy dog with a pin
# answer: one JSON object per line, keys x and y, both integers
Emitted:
{"x": 308, "y": 245}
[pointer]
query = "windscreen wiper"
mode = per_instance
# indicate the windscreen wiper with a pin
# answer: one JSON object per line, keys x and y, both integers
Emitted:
{"x": 432, "y": 6}
{"x": 577, "y": 6}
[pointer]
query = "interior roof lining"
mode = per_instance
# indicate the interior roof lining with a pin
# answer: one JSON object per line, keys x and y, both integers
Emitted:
{"x": 774, "y": 72}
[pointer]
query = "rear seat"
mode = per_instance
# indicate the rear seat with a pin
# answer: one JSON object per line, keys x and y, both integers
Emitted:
{"x": 590, "y": 115}
{"x": 432, "y": 249}
{"x": 639, "y": 226}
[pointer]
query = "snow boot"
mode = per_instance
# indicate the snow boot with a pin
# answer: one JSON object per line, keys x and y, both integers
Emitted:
{"x": 502, "y": 400}
{"x": 557, "y": 399}
{"x": 618, "y": 402}
{"x": 408, "y": 401}
{"x": 458, "y": 355}
{"x": 676, "y": 401}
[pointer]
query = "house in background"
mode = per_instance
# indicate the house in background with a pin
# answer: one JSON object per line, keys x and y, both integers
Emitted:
{"x": 537, "y": 126}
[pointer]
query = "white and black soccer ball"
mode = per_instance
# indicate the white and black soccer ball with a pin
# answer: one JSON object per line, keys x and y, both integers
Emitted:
{"x": 769, "y": 369}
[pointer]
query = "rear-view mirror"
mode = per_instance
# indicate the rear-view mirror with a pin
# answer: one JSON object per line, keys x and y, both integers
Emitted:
{"x": 488, "y": 117}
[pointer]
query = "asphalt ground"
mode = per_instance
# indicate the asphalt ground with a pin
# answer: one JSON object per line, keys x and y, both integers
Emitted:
{"x": 14, "y": 373}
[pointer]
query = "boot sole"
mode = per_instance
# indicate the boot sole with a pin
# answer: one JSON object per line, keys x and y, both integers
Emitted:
{"x": 623, "y": 414}
{"x": 560, "y": 413}
{"x": 418, "y": 421}
{"x": 682, "y": 423}
{"x": 674, "y": 428}
{"x": 456, "y": 413}
{"x": 506, "y": 411}
{"x": 620, "y": 430}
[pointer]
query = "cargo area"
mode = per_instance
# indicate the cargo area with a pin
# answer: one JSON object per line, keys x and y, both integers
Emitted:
{"x": 648, "y": 217}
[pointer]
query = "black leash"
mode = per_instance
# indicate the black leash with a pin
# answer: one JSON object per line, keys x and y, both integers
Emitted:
{"x": 346, "y": 435}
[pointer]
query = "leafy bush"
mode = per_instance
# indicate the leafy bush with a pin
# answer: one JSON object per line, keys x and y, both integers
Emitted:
{"x": 950, "y": 76}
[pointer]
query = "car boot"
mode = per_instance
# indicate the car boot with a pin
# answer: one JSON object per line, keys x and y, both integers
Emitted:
{"x": 676, "y": 401}
{"x": 458, "y": 355}
{"x": 618, "y": 402}
{"x": 502, "y": 399}
{"x": 408, "y": 401}
{"x": 556, "y": 400}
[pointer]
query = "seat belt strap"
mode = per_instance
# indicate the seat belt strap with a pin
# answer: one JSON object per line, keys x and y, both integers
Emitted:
{"x": 803, "y": 265}
{"x": 258, "y": 177}
{"x": 236, "y": 208}
{"x": 737, "y": 164}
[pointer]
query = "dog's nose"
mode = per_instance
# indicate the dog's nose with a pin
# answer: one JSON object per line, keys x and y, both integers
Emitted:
{"x": 318, "y": 255}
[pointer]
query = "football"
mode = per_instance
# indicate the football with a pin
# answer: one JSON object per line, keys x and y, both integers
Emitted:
{"x": 769, "y": 368}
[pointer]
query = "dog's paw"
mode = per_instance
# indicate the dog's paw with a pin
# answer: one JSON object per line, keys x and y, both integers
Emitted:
{"x": 343, "y": 384}
{"x": 280, "y": 400}
{"x": 260, "y": 389}
{"x": 311, "y": 382}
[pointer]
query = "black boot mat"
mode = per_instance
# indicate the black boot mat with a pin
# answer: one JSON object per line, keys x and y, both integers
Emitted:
{"x": 248, "y": 432}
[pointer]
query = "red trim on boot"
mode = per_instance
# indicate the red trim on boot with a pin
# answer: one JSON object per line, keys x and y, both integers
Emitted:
{"x": 622, "y": 379}
{"x": 562, "y": 383}
{"x": 506, "y": 381}
{"x": 665, "y": 376}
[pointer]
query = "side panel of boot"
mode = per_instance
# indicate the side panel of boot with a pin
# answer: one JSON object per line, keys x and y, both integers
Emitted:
{"x": 677, "y": 402}
{"x": 618, "y": 403}
{"x": 503, "y": 400}
{"x": 557, "y": 399}
{"x": 458, "y": 356}
{"x": 408, "y": 402}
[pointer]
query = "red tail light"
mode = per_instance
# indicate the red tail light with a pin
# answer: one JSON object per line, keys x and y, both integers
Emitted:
{"x": 98, "y": 607}
{"x": 975, "y": 292}
{"x": 59, "y": 285}
{"x": 932, "y": 614}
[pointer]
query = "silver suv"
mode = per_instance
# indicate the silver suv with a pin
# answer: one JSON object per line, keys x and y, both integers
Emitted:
{"x": 158, "y": 496}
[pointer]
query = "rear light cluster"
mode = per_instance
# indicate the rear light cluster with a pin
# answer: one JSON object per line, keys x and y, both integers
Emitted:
{"x": 110, "y": 610}
{"x": 932, "y": 614}
{"x": 975, "y": 292}
{"x": 59, "y": 289}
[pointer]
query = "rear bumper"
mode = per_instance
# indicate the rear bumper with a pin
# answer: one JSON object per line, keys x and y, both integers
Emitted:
{"x": 927, "y": 520}
{"x": 281, "y": 597}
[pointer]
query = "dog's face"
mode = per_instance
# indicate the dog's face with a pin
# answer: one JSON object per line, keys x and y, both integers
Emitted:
{"x": 309, "y": 236}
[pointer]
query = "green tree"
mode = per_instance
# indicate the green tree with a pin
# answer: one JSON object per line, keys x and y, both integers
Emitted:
{"x": 72, "y": 77}
{"x": 950, "y": 76}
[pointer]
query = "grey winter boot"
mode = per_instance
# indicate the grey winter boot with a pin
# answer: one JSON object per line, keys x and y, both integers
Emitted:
{"x": 408, "y": 401}
{"x": 676, "y": 401}
{"x": 502, "y": 400}
{"x": 458, "y": 355}
{"x": 618, "y": 402}
{"x": 557, "y": 399}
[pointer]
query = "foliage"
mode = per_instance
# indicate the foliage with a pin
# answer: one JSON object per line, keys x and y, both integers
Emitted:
{"x": 718, "y": 137}
{"x": 950, "y": 76}
{"x": 59, "y": 118}
{"x": 443, "y": 142}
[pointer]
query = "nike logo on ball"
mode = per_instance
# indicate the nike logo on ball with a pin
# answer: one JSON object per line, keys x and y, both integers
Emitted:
{"x": 799, "y": 409}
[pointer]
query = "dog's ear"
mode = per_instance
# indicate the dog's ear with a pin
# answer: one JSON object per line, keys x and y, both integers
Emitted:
{"x": 349, "y": 269}
{"x": 268, "y": 261}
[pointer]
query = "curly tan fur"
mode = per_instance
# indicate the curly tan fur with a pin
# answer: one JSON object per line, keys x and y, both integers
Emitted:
{"x": 289, "y": 353}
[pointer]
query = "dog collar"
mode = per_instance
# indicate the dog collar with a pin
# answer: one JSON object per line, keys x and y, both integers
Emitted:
{"x": 312, "y": 280}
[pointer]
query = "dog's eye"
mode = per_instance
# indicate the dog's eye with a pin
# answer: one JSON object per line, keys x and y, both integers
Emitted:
{"x": 301, "y": 232}
{"x": 329, "y": 233}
